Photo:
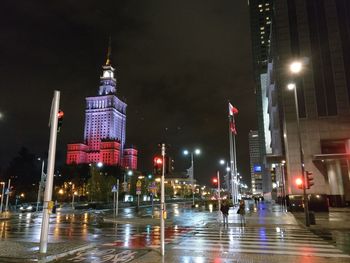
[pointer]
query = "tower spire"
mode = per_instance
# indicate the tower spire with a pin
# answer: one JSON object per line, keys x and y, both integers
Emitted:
{"x": 108, "y": 60}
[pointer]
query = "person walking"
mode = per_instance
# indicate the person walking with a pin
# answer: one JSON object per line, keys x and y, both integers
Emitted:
{"x": 224, "y": 210}
{"x": 241, "y": 212}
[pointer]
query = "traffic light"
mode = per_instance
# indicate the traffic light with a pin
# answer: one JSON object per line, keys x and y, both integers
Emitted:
{"x": 214, "y": 181}
{"x": 309, "y": 180}
{"x": 157, "y": 165}
{"x": 299, "y": 183}
{"x": 60, "y": 115}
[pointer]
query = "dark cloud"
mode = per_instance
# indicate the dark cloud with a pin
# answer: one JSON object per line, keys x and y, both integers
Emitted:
{"x": 178, "y": 63}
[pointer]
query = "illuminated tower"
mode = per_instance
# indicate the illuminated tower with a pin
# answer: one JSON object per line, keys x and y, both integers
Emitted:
{"x": 105, "y": 114}
{"x": 104, "y": 131}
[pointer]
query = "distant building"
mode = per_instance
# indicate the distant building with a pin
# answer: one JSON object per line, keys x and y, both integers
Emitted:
{"x": 255, "y": 164}
{"x": 261, "y": 13}
{"x": 104, "y": 132}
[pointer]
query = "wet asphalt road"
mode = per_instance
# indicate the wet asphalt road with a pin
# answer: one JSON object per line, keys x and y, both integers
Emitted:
{"x": 188, "y": 235}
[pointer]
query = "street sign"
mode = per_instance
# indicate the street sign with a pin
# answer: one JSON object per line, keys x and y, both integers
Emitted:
{"x": 138, "y": 183}
{"x": 7, "y": 191}
{"x": 125, "y": 186}
{"x": 138, "y": 192}
{"x": 114, "y": 189}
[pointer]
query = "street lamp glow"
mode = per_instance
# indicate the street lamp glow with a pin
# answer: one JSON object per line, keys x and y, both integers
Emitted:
{"x": 186, "y": 152}
{"x": 295, "y": 67}
{"x": 130, "y": 173}
{"x": 291, "y": 86}
{"x": 197, "y": 151}
{"x": 222, "y": 162}
{"x": 228, "y": 169}
{"x": 99, "y": 164}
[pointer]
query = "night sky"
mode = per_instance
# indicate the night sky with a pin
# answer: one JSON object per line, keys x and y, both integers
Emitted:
{"x": 177, "y": 64}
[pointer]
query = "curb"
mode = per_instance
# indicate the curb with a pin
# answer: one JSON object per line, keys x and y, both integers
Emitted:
{"x": 61, "y": 255}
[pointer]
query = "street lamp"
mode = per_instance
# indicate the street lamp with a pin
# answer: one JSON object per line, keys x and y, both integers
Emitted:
{"x": 196, "y": 152}
{"x": 295, "y": 68}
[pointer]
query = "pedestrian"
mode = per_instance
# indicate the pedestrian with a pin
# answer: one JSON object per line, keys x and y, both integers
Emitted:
{"x": 241, "y": 212}
{"x": 224, "y": 210}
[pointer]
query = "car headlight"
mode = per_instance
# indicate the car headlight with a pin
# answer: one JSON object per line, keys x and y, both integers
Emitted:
{"x": 29, "y": 207}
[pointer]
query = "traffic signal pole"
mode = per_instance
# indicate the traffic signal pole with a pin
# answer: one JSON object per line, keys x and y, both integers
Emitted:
{"x": 306, "y": 201}
{"x": 50, "y": 171}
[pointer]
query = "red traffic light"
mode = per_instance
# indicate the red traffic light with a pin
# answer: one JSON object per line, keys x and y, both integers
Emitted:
{"x": 158, "y": 161}
{"x": 215, "y": 180}
{"x": 157, "y": 165}
{"x": 60, "y": 114}
{"x": 299, "y": 183}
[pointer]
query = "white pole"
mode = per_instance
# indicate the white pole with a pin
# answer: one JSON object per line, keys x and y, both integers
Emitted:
{"x": 2, "y": 196}
{"x": 235, "y": 167}
{"x": 40, "y": 186}
{"x": 192, "y": 179}
{"x": 50, "y": 171}
{"x": 219, "y": 197}
{"x": 117, "y": 204}
{"x": 284, "y": 189}
{"x": 162, "y": 205}
{"x": 8, "y": 195}
{"x": 114, "y": 213}
{"x": 231, "y": 165}
{"x": 73, "y": 200}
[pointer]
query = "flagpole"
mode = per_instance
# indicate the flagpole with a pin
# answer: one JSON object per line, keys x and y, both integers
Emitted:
{"x": 235, "y": 165}
{"x": 231, "y": 161}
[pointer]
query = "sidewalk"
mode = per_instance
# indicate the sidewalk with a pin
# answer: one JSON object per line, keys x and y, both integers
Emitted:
{"x": 19, "y": 251}
{"x": 336, "y": 219}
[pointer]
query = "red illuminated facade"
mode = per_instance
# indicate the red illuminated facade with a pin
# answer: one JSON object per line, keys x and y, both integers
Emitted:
{"x": 105, "y": 128}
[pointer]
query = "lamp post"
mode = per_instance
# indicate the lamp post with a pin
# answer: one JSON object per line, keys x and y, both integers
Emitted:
{"x": 41, "y": 184}
{"x": 284, "y": 201}
{"x": 8, "y": 195}
{"x": 219, "y": 196}
{"x": 196, "y": 152}
{"x": 227, "y": 179}
{"x": 295, "y": 68}
{"x": 2, "y": 195}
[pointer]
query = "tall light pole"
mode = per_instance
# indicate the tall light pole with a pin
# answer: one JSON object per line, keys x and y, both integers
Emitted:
{"x": 2, "y": 195}
{"x": 284, "y": 186}
{"x": 295, "y": 68}
{"x": 8, "y": 195}
{"x": 196, "y": 152}
{"x": 227, "y": 176}
{"x": 219, "y": 194}
{"x": 40, "y": 184}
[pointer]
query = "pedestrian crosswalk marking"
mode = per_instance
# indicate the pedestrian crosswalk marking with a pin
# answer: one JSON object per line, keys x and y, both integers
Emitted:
{"x": 289, "y": 244}
{"x": 259, "y": 251}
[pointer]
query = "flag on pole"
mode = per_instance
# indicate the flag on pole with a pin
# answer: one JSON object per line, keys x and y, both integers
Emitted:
{"x": 231, "y": 113}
